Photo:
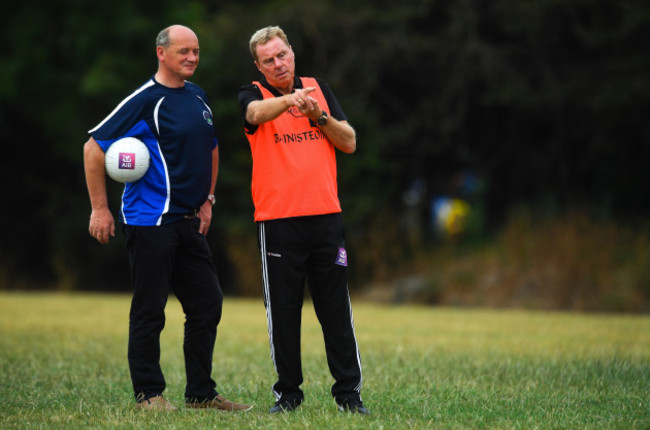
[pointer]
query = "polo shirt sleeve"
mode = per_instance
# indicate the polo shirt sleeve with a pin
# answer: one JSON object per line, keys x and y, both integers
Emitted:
{"x": 332, "y": 102}
{"x": 248, "y": 93}
{"x": 122, "y": 122}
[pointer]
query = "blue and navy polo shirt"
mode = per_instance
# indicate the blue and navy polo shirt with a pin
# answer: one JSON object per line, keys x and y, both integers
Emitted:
{"x": 177, "y": 127}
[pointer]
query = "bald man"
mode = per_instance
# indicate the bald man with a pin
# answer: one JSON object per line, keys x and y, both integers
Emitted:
{"x": 165, "y": 217}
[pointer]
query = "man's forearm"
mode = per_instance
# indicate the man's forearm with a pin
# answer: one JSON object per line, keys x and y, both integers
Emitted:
{"x": 261, "y": 111}
{"x": 341, "y": 134}
{"x": 95, "y": 171}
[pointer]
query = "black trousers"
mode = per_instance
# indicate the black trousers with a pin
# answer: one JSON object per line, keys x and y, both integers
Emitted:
{"x": 172, "y": 257}
{"x": 312, "y": 249}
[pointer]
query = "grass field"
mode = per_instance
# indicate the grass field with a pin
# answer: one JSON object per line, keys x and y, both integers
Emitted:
{"x": 63, "y": 365}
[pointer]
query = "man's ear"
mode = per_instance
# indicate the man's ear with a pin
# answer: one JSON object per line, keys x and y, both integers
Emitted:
{"x": 160, "y": 53}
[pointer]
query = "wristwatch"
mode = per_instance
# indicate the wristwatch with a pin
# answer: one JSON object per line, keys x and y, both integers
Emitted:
{"x": 212, "y": 199}
{"x": 322, "y": 120}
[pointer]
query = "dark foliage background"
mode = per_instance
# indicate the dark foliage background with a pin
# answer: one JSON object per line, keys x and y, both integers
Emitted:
{"x": 545, "y": 103}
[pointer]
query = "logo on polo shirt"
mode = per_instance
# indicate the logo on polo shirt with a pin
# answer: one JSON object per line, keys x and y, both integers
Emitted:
{"x": 207, "y": 117}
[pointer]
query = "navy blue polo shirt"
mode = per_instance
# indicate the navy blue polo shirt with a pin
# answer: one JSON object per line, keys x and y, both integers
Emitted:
{"x": 176, "y": 125}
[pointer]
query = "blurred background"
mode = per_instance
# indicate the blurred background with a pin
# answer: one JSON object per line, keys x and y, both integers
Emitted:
{"x": 502, "y": 145}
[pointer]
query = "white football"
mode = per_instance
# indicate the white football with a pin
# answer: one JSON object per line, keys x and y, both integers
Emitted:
{"x": 127, "y": 160}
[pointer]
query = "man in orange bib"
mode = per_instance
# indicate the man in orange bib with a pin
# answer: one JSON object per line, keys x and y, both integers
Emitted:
{"x": 294, "y": 126}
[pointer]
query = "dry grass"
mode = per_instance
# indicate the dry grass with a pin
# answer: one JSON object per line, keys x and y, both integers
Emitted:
{"x": 570, "y": 262}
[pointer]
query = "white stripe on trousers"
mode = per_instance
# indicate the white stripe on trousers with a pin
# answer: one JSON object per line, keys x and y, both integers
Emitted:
{"x": 267, "y": 297}
{"x": 356, "y": 344}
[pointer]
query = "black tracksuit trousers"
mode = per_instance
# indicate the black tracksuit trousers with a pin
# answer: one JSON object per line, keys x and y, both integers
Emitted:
{"x": 312, "y": 249}
{"x": 172, "y": 257}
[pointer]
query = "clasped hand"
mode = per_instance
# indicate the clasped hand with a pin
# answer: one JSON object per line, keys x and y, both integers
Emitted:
{"x": 307, "y": 105}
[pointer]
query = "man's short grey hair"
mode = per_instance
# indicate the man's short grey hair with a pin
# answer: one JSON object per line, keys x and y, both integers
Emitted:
{"x": 264, "y": 35}
{"x": 163, "y": 38}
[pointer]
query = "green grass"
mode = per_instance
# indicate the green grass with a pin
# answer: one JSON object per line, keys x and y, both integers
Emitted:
{"x": 63, "y": 365}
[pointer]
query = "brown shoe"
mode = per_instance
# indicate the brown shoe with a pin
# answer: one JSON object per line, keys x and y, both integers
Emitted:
{"x": 158, "y": 403}
{"x": 220, "y": 403}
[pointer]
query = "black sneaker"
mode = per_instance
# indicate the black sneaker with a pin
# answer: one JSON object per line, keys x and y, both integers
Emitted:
{"x": 285, "y": 406}
{"x": 353, "y": 407}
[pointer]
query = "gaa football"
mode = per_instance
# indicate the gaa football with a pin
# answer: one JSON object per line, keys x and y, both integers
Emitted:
{"x": 127, "y": 160}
